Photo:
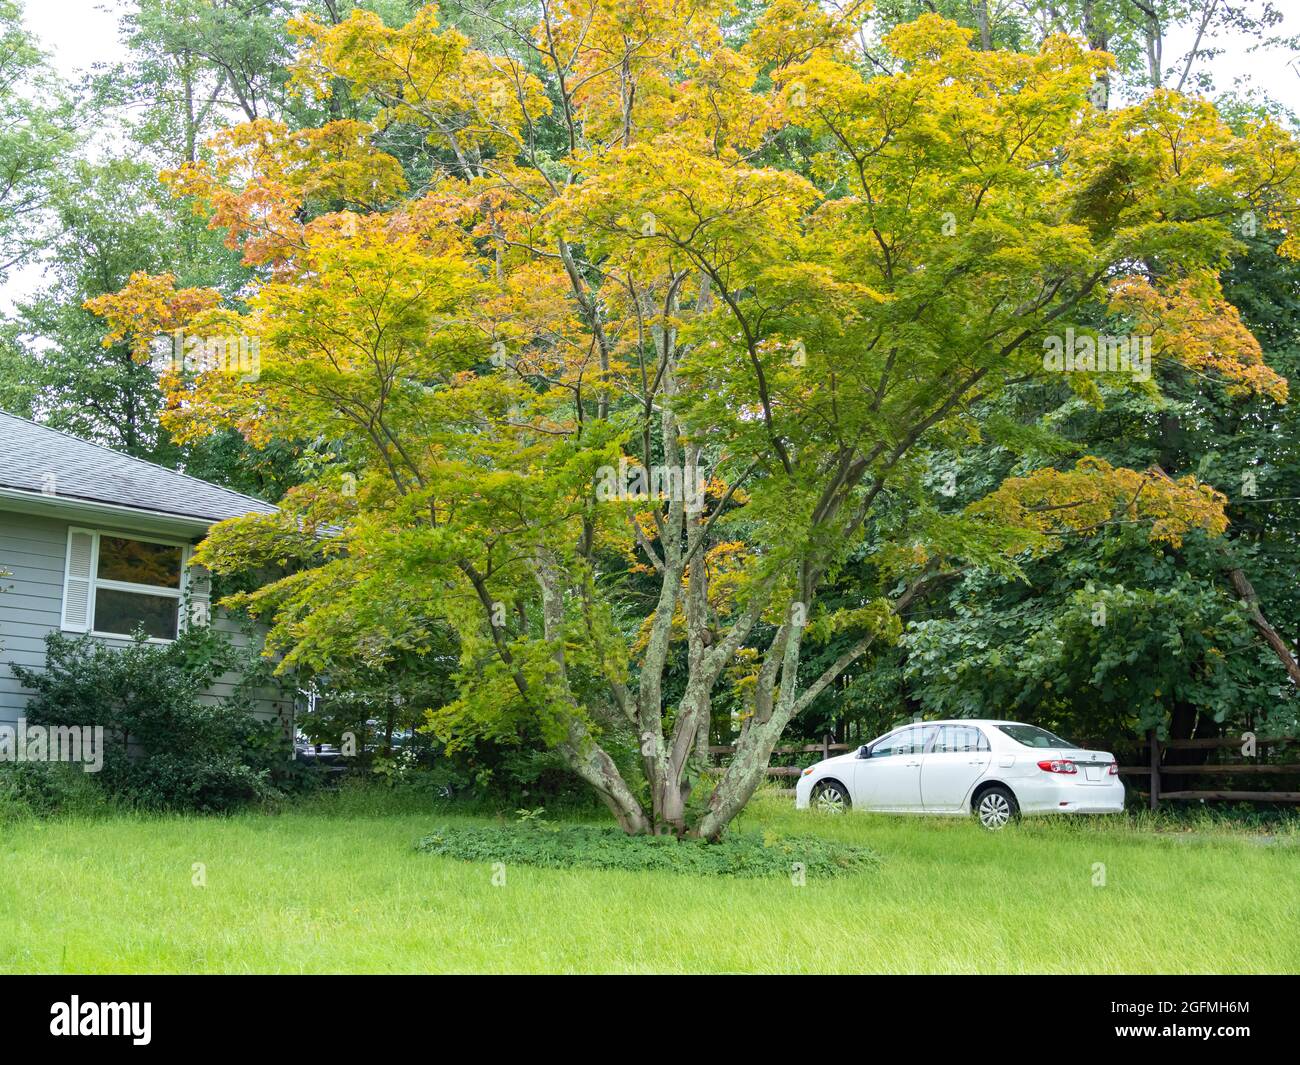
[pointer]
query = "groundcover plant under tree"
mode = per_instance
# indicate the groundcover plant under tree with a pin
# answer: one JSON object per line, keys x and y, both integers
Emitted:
{"x": 617, "y": 287}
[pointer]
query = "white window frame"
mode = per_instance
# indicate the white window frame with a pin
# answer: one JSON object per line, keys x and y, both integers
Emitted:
{"x": 96, "y": 582}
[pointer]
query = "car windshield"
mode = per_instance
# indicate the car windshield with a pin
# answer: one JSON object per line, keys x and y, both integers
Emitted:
{"x": 1033, "y": 736}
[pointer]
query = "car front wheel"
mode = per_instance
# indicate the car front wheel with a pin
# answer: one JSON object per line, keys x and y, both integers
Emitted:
{"x": 830, "y": 798}
{"x": 996, "y": 807}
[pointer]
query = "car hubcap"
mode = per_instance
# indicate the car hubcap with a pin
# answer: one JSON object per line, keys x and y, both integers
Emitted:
{"x": 830, "y": 801}
{"x": 995, "y": 811}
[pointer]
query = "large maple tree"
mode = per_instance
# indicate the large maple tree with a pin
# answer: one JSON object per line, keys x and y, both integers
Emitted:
{"x": 747, "y": 261}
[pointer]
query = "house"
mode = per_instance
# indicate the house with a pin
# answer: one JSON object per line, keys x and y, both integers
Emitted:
{"x": 94, "y": 541}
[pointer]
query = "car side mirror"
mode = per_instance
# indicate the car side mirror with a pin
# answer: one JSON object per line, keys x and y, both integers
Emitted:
{"x": 864, "y": 751}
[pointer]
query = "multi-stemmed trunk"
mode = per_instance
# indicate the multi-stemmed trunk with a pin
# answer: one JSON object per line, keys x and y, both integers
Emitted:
{"x": 674, "y": 760}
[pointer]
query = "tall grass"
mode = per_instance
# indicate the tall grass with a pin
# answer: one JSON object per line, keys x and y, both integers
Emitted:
{"x": 336, "y": 885}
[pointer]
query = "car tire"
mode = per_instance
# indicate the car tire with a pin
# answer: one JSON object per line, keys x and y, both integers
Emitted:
{"x": 996, "y": 808}
{"x": 831, "y": 797}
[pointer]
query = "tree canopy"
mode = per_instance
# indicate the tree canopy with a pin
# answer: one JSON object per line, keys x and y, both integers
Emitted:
{"x": 662, "y": 327}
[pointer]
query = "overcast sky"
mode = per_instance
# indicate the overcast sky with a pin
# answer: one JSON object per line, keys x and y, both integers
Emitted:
{"x": 80, "y": 33}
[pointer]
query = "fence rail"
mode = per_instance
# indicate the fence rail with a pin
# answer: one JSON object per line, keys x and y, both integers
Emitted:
{"x": 1155, "y": 770}
{"x": 824, "y": 749}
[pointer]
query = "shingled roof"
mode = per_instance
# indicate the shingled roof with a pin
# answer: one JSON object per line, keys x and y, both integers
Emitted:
{"x": 34, "y": 458}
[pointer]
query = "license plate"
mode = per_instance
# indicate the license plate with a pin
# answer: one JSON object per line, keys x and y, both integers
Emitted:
{"x": 1093, "y": 772}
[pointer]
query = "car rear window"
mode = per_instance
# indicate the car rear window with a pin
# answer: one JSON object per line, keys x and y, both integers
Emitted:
{"x": 1033, "y": 736}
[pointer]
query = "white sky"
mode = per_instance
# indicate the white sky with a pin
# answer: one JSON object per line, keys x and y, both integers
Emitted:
{"x": 78, "y": 33}
{"x": 81, "y": 33}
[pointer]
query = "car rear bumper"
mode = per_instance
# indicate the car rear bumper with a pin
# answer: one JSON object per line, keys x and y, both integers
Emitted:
{"x": 1049, "y": 796}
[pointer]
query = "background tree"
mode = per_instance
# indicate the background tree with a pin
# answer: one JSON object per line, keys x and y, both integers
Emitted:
{"x": 1136, "y": 33}
{"x": 35, "y": 130}
{"x": 109, "y": 221}
{"x": 1110, "y": 634}
{"x": 993, "y": 645}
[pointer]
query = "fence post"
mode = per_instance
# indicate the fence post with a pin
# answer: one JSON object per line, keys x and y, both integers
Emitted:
{"x": 1153, "y": 741}
{"x": 826, "y": 745}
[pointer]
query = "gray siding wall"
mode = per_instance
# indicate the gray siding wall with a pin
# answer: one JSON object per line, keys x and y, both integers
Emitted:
{"x": 33, "y": 550}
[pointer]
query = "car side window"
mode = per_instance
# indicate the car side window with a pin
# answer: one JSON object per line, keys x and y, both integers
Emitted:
{"x": 960, "y": 739}
{"x": 905, "y": 741}
{"x": 896, "y": 744}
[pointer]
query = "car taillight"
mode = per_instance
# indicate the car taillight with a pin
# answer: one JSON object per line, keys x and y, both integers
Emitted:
{"x": 1114, "y": 769}
{"x": 1058, "y": 766}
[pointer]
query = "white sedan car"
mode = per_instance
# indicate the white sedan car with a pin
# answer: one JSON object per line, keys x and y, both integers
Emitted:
{"x": 996, "y": 769}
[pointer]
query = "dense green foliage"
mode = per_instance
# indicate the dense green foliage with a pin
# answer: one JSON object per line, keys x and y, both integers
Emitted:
{"x": 165, "y": 746}
{"x": 48, "y": 789}
{"x": 1111, "y": 634}
{"x": 35, "y": 121}
{"x": 560, "y": 846}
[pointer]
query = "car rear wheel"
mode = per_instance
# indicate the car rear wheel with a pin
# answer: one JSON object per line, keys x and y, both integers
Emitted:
{"x": 831, "y": 797}
{"x": 996, "y": 808}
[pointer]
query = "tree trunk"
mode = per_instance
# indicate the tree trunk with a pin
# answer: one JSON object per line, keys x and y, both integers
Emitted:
{"x": 736, "y": 788}
{"x": 596, "y": 767}
{"x": 1242, "y": 586}
{"x": 982, "y": 21}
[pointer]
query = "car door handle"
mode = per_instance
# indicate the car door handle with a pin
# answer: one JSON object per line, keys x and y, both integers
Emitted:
{"x": 913, "y": 765}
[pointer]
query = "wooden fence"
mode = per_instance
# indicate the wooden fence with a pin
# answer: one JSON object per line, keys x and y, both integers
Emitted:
{"x": 1156, "y": 769}
{"x": 826, "y": 748}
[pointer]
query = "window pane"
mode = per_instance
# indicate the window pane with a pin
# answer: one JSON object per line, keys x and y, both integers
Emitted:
{"x": 125, "y": 612}
{"x": 891, "y": 745}
{"x": 960, "y": 739}
{"x": 908, "y": 741}
{"x": 139, "y": 562}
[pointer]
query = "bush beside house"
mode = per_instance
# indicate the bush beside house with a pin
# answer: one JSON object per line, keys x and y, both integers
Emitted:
{"x": 165, "y": 746}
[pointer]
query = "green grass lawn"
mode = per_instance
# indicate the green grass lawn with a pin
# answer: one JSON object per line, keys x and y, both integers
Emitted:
{"x": 337, "y": 886}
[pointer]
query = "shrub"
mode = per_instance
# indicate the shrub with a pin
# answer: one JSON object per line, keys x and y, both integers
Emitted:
{"x": 204, "y": 781}
{"x": 41, "y": 789}
{"x": 536, "y": 776}
{"x": 165, "y": 746}
{"x": 537, "y": 842}
{"x": 440, "y": 778}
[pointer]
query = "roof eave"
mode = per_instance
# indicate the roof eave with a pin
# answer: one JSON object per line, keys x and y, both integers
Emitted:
{"x": 39, "y": 503}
